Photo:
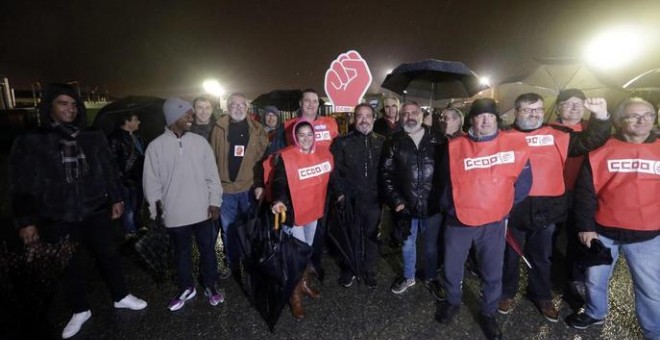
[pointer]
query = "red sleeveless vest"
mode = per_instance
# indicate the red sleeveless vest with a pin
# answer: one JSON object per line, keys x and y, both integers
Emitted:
{"x": 548, "y": 153}
{"x": 483, "y": 175}
{"x": 573, "y": 164}
{"x": 325, "y": 128}
{"x": 308, "y": 176}
{"x": 626, "y": 177}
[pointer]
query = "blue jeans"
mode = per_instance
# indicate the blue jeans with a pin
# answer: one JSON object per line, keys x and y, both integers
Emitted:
{"x": 180, "y": 237}
{"x": 132, "y": 197}
{"x": 642, "y": 258}
{"x": 304, "y": 233}
{"x": 233, "y": 207}
{"x": 430, "y": 229}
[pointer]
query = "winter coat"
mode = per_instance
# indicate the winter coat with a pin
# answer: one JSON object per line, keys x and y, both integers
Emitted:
{"x": 356, "y": 166}
{"x": 39, "y": 190}
{"x": 407, "y": 173}
{"x": 129, "y": 161}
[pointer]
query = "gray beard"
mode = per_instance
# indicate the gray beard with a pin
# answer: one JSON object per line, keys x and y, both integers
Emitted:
{"x": 527, "y": 126}
{"x": 408, "y": 129}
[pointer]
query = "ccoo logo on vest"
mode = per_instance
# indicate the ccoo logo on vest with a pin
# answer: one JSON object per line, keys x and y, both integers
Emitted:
{"x": 504, "y": 157}
{"x": 314, "y": 170}
{"x": 540, "y": 140}
{"x": 646, "y": 166}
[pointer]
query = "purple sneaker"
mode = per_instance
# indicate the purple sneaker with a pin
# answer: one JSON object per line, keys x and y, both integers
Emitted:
{"x": 181, "y": 298}
{"x": 215, "y": 297}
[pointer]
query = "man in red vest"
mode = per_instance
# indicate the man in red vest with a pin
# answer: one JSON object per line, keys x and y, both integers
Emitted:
{"x": 617, "y": 203}
{"x": 483, "y": 173}
{"x": 533, "y": 221}
{"x": 570, "y": 113}
{"x": 325, "y": 127}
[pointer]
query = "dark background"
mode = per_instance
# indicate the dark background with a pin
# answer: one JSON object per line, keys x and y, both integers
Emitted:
{"x": 170, "y": 47}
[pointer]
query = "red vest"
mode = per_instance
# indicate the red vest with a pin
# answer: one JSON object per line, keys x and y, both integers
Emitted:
{"x": 308, "y": 176}
{"x": 483, "y": 175}
{"x": 548, "y": 153}
{"x": 626, "y": 177}
{"x": 325, "y": 127}
{"x": 573, "y": 164}
{"x": 268, "y": 177}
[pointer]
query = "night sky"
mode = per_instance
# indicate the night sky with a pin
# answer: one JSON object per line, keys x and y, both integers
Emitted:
{"x": 136, "y": 47}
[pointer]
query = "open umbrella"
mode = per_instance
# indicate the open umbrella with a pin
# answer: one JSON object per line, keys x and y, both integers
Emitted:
{"x": 148, "y": 109}
{"x": 647, "y": 81}
{"x": 433, "y": 79}
{"x": 548, "y": 76}
{"x": 285, "y": 100}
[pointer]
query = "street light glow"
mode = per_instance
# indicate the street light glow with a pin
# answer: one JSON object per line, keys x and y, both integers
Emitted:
{"x": 213, "y": 87}
{"x": 484, "y": 81}
{"x": 615, "y": 47}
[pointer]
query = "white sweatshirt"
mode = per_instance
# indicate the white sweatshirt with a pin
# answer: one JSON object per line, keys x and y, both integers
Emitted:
{"x": 181, "y": 172}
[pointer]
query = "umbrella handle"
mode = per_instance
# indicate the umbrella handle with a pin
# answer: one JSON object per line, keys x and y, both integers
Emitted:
{"x": 279, "y": 219}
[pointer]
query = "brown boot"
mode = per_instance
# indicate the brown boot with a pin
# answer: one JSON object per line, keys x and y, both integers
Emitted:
{"x": 307, "y": 286}
{"x": 296, "y": 302}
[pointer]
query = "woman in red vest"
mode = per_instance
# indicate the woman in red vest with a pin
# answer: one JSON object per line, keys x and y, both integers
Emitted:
{"x": 300, "y": 185}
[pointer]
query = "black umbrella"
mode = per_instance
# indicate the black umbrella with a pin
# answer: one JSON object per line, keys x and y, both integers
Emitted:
{"x": 273, "y": 263}
{"x": 148, "y": 109}
{"x": 434, "y": 79}
{"x": 347, "y": 235}
{"x": 647, "y": 81}
{"x": 285, "y": 100}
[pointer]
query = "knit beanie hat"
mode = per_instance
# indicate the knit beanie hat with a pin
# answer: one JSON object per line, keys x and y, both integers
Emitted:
{"x": 174, "y": 109}
{"x": 483, "y": 105}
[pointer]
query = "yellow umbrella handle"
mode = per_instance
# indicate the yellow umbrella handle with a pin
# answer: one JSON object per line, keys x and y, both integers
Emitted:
{"x": 279, "y": 219}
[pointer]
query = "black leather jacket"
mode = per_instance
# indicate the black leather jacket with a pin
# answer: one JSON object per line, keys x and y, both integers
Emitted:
{"x": 356, "y": 166}
{"x": 407, "y": 173}
{"x": 130, "y": 162}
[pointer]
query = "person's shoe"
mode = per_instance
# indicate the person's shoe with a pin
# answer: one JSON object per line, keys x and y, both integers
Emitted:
{"x": 402, "y": 284}
{"x": 490, "y": 327}
{"x": 77, "y": 320}
{"x": 346, "y": 279}
{"x": 296, "y": 302}
{"x": 505, "y": 306}
{"x": 582, "y": 321}
{"x": 446, "y": 312}
{"x": 370, "y": 281}
{"x": 433, "y": 285}
{"x": 307, "y": 288}
{"x": 215, "y": 297}
{"x": 181, "y": 298}
{"x": 130, "y": 236}
{"x": 131, "y": 302}
{"x": 547, "y": 308}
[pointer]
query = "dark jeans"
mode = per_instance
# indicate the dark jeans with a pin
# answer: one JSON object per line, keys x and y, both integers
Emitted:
{"x": 180, "y": 236}
{"x": 132, "y": 196}
{"x": 488, "y": 242}
{"x": 537, "y": 246}
{"x": 95, "y": 234}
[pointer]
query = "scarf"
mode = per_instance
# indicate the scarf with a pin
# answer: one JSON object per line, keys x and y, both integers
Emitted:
{"x": 73, "y": 158}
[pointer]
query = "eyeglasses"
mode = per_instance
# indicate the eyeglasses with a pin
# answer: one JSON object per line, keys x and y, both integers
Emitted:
{"x": 528, "y": 110}
{"x": 574, "y": 106}
{"x": 241, "y": 105}
{"x": 649, "y": 117}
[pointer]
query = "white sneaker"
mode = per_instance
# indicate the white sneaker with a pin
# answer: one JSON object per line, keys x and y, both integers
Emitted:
{"x": 181, "y": 298}
{"x": 77, "y": 320}
{"x": 131, "y": 302}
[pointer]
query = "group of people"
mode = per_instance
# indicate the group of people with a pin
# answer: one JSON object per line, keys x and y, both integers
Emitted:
{"x": 465, "y": 192}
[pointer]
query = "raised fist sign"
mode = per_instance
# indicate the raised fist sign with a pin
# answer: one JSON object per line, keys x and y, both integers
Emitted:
{"x": 347, "y": 80}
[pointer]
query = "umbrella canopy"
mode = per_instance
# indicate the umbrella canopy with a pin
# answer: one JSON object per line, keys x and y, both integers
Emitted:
{"x": 148, "y": 109}
{"x": 433, "y": 79}
{"x": 647, "y": 81}
{"x": 284, "y": 100}
{"x": 347, "y": 235}
{"x": 548, "y": 76}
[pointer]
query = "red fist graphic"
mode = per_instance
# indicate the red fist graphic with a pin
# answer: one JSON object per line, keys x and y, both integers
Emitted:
{"x": 347, "y": 80}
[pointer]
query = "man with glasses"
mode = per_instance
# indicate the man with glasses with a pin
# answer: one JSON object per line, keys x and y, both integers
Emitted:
{"x": 532, "y": 222}
{"x": 238, "y": 144}
{"x": 570, "y": 112}
{"x": 617, "y": 203}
